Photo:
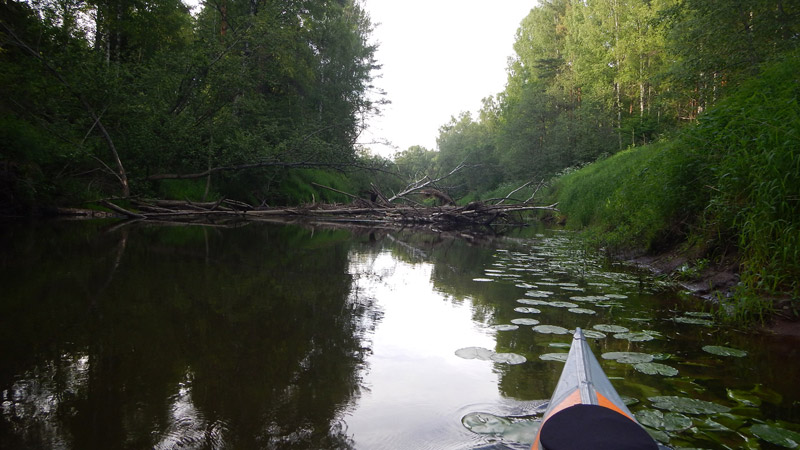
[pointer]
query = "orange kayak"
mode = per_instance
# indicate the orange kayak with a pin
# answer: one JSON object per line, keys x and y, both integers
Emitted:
{"x": 586, "y": 412}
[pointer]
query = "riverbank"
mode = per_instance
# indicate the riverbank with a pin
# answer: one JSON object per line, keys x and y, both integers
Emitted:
{"x": 716, "y": 206}
{"x": 716, "y": 283}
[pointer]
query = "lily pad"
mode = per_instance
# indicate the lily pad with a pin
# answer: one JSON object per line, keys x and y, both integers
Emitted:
{"x": 592, "y": 334}
{"x": 629, "y": 401}
{"x": 505, "y": 327}
{"x": 483, "y": 354}
{"x": 628, "y": 357}
{"x": 775, "y": 435}
{"x": 588, "y": 298}
{"x": 582, "y": 311}
{"x": 508, "y": 358}
{"x": 767, "y": 394}
{"x": 559, "y": 345}
{"x": 712, "y": 425}
{"x": 651, "y": 368}
{"x": 609, "y": 304}
{"x": 524, "y": 321}
{"x": 693, "y": 321}
{"x": 527, "y": 301}
{"x": 527, "y": 310}
{"x": 482, "y": 280}
{"x": 670, "y": 421}
{"x": 638, "y": 336}
{"x": 539, "y": 294}
{"x": 616, "y": 296}
{"x": 724, "y": 351}
{"x": 658, "y": 435}
{"x": 526, "y": 286}
{"x": 704, "y": 315}
{"x": 610, "y": 328}
{"x": 687, "y": 405}
{"x": 485, "y": 423}
{"x": 744, "y": 397}
{"x": 550, "y": 329}
{"x": 554, "y": 357}
{"x": 560, "y": 304}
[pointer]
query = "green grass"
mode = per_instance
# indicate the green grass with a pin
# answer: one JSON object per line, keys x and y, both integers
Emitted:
{"x": 192, "y": 190}
{"x": 296, "y": 187}
{"x": 732, "y": 181}
{"x": 753, "y": 144}
{"x": 640, "y": 198}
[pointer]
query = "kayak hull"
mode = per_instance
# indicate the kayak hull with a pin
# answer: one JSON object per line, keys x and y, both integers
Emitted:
{"x": 584, "y": 393}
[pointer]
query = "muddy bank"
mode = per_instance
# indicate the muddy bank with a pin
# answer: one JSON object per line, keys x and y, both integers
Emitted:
{"x": 709, "y": 281}
{"x": 713, "y": 282}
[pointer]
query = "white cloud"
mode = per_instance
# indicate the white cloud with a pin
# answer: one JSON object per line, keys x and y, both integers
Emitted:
{"x": 440, "y": 57}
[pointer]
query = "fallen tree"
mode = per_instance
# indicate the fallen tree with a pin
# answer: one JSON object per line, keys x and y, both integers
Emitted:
{"x": 377, "y": 209}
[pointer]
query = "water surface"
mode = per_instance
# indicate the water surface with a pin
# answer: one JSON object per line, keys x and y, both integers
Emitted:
{"x": 271, "y": 336}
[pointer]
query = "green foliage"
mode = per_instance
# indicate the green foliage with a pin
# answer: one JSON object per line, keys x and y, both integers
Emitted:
{"x": 415, "y": 162}
{"x": 468, "y": 142}
{"x": 638, "y": 198}
{"x": 295, "y": 187}
{"x": 753, "y": 145}
{"x": 172, "y": 93}
{"x": 192, "y": 190}
{"x": 731, "y": 179}
{"x": 594, "y": 77}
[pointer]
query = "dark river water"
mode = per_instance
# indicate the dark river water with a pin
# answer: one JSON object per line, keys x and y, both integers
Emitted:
{"x": 287, "y": 337}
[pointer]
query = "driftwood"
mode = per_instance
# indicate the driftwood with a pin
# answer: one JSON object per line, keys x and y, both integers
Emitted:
{"x": 376, "y": 210}
{"x": 442, "y": 217}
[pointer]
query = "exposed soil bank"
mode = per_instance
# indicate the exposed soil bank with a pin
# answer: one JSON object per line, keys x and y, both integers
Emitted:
{"x": 714, "y": 282}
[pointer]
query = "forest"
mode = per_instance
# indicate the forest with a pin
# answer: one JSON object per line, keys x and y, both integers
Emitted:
{"x": 652, "y": 123}
{"x": 659, "y": 126}
{"x": 124, "y": 98}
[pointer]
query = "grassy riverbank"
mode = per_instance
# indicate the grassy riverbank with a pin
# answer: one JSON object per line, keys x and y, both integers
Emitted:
{"x": 728, "y": 185}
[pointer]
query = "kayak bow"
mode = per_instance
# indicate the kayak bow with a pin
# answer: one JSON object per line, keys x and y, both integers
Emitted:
{"x": 586, "y": 412}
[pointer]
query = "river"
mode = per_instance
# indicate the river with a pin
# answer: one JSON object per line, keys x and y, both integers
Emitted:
{"x": 267, "y": 336}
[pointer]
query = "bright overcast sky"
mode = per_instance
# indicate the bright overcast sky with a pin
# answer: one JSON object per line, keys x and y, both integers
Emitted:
{"x": 439, "y": 57}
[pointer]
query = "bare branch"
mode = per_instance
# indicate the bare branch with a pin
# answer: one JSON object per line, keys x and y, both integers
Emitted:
{"x": 539, "y": 186}
{"x": 121, "y": 174}
{"x": 513, "y": 192}
{"x": 421, "y": 184}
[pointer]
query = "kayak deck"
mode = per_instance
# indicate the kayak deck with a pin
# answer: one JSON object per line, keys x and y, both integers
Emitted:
{"x": 586, "y": 410}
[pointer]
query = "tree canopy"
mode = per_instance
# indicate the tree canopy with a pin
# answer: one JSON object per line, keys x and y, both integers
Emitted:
{"x": 106, "y": 96}
{"x": 592, "y": 77}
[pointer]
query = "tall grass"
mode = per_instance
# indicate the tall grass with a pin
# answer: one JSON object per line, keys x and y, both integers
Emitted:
{"x": 753, "y": 143}
{"x": 732, "y": 179}
{"x": 296, "y": 187}
{"x": 640, "y": 198}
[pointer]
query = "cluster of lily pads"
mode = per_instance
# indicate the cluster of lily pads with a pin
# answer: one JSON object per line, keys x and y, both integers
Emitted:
{"x": 677, "y": 420}
{"x": 704, "y": 420}
{"x": 484, "y": 354}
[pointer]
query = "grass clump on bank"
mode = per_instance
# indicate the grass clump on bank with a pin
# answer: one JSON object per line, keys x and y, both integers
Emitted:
{"x": 641, "y": 198}
{"x": 731, "y": 181}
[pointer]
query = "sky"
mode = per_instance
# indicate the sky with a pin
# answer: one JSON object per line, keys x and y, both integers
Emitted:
{"x": 439, "y": 57}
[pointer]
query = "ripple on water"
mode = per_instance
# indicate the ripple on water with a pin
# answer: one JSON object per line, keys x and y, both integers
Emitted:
{"x": 190, "y": 429}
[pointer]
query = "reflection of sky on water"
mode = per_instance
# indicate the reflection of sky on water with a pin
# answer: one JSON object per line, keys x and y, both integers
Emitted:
{"x": 413, "y": 355}
{"x": 187, "y": 426}
{"x": 34, "y": 398}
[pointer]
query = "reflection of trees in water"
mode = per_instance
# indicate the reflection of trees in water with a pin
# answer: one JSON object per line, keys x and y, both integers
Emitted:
{"x": 457, "y": 262}
{"x": 243, "y": 338}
